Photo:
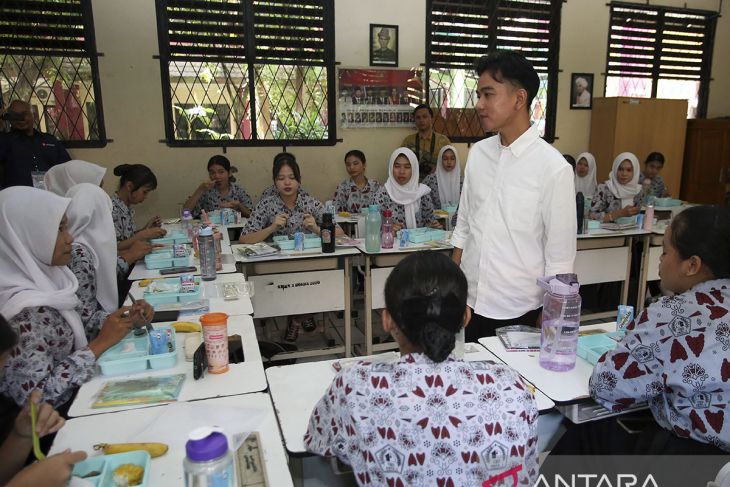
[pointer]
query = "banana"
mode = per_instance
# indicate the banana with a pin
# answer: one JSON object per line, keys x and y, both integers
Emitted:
{"x": 186, "y": 327}
{"x": 154, "y": 449}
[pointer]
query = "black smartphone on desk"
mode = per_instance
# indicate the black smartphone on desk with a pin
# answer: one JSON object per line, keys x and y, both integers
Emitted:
{"x": 177, "y": 270}
{"x": 164, "y": 316}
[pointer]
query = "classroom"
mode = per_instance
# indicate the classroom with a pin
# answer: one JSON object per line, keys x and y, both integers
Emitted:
{"x": 398, "y": 243}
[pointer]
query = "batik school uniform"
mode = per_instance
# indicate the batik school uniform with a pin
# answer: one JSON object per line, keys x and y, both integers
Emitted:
{"x": 657, "y": 187}
{"x": 424, "y": 213}
{"x": 211, "y": 200}
{"x": 91, "y": 311}
{"x": 123, "y": 217}
{"x": 351, "y": 198}
{"x": 432, "y": 182}
{"x": 417, "y": 422}
{"x": 605, "y": 202}
{"x": 272, "y": 191}
{"x": 675, "y": 357}
{"x": 267, "y": 209}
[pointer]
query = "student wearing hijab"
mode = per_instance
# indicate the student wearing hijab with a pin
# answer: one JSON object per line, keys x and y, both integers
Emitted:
{"x": 59, "y": 179}
{"x": 402, "y": 194}
{"x": 620, "y": 195}
{"x": 585, "y": 175}
{"x": 445, "y": 182}
{"x": 356, "y": 192}
{"x": 38, "y": 299}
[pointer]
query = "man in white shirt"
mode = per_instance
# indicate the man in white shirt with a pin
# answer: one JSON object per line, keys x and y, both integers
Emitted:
{"x": 517, "y": 217}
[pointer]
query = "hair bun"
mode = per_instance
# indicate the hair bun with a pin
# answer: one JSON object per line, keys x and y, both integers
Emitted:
{"x": 121, "y": 169}
{"x": 437, "y": 342}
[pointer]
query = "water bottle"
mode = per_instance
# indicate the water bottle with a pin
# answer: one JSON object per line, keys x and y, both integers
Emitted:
{"x": 206, "y": 250}
{"x": 649, "y": 218}
{"x": 386, "y": 235}
{"x": 327, "y": 233}
{"x": 187, "y": 223}
{"x": 560, "y": 321}
{"x": 580, "y": 210}
{"x": 208, "y": 461}
{"x": 218, "y": 238}
{"x": 372, "y": 230}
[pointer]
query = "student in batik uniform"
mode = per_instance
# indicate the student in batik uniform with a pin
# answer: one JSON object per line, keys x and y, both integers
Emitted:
{"x": 272, "y": 190}
{"x": 357, "y": 192}
{"x": 652, "y": 166}
{"x": 219, "y": 191}
{"x": 402, "y": 194}
{"x": 620, "y": 195}
{"x": 429, "y": 418}
{"x": 38, "y": 298}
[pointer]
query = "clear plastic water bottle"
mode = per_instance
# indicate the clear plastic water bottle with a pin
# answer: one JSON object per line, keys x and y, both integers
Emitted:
{"x": 386, "y": 234}
{"x": 560, "y": 322}
{"x": 187, "y": 223}
{"x": 372, "y": 230}
{"x": 208, "y": 461}
{"x": 206, "y": 251}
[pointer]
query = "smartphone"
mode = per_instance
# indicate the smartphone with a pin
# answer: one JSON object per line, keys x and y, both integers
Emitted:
{"x": 200, "y": 362}
{"x": 164, "y": 316}
{"x": 235, "y": 349}
{"x": 177, "y": 270}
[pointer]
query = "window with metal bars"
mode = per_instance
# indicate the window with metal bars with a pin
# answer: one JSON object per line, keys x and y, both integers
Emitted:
{"x": 459, "y": 32}
{"x": 660, "y": 52}
{"x": 247, "y": 72}
{"x": 48, "y": 58}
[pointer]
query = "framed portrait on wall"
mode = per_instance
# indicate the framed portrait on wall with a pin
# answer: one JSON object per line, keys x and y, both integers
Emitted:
{"x": 581, "y": 91}
{"x": 383, "y": 45}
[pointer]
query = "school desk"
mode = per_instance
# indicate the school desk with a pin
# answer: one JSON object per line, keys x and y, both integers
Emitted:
{"x": 167, "y": 470}
{"x": 296, "y": 389}
{"x": 213, "y": 292}
{"x": 241, "y": 378}
{"x": 141, "y": 271}
{"x": 568, "y": 390}
{"x": 293, "y": 283}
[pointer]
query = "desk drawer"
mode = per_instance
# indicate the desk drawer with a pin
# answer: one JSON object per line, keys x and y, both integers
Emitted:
{"x": 298, "y": 293}
{"x": 601, "y": 265}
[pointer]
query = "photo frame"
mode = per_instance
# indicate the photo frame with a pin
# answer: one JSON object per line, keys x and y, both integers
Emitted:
{"x": 383, "y": 45}
{"x": 581, "y": 91}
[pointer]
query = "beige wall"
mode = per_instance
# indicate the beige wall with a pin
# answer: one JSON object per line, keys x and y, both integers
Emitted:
{"x": 126, "y": 33}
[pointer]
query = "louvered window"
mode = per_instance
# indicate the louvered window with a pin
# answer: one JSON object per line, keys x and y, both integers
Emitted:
{"x": 459, "y": 32}
{"x": 247, "y": 72}
{"x": 48, "y": 58}
{"x": 660, "y": 52}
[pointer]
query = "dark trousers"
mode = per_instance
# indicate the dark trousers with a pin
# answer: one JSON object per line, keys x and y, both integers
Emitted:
{"x": 481, "y": 326}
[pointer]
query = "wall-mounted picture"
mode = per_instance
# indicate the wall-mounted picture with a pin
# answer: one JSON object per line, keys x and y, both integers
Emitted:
{"x": 383, "y": 45}
{"x": 581, "y": 89}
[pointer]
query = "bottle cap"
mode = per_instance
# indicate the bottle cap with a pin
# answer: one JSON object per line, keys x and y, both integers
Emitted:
{"x": 374, "y": 208}
{"x": 205, "y": 444}
{"x": 387, "y": 213}
{"x": 206, "y": 232}
{"x": 561, "y": 284}
{"x": 187, "y": 214}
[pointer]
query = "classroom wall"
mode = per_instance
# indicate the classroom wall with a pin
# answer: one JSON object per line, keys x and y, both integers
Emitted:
{"x": 126, "y": 33}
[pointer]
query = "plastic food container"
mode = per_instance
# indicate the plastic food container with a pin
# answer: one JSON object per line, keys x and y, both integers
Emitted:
{"x": 666, "y": 202}
{"x": 106, "y": 464}
{"x": 592, "y": 347}
{"x": 131, "y": 355}
{"x": 173, "y": 237}
{"x": 421, "y": 235}
{"x": 626, "y": 220}
{"x": 311, "y": 241}
{"x": 173, "y": 295}
{"x": 163, "y": 260}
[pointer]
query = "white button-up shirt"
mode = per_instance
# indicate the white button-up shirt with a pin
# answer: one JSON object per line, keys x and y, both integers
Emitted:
{"x": 517, "y": 222}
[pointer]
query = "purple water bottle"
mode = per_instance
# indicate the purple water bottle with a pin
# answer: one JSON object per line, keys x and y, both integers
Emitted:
{"x": 386, "y": 236}
{"x": 208, "y": 461}
{"x": 560, "y": 321}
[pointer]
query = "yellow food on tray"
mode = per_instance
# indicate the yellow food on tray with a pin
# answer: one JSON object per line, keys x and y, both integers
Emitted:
{"x": 128, "y": 474}
{"x": 154, "y": 449}
{"x": 186, "y": 327}
{"x": 344, "y": 214}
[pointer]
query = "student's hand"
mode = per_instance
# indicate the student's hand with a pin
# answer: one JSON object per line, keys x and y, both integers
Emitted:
{"x": 137, "y": 251}
{"x": 150, "y": 233}
{"x": 49, "y": 421}
{"x": 116, "y": 326}
{"x": 230, "y": 204}
{"x": 155, "y": 222}
{"x": 280, "y": 221}
{"x": 435, "y": 224}
{"x": 630, "y": 210}
{"x": 310, "y": 223}
{"x": 54, "y": 471}
{"x": 141, "y": 313}
{"x": 397, "y": 227}
{"x": 206, "y": 185}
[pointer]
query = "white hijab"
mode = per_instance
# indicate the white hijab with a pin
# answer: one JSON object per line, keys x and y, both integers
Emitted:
{"x": 586, "y": 184}
{"x": 449, "y": 182}
{"x": 29, "y": 220}
{"x": 624, "y": 192}
{"x": 62, "y": 177}
{"x": 90, "y": 222}
{"x": 409, "y": 195}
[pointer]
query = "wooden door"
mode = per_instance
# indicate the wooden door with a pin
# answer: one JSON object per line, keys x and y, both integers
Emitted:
{"x": 707, "y": 161}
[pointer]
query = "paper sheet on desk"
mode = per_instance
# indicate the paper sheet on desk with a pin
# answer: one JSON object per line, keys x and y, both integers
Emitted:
{"x": 523, "y": 339}
{"x": 173, "y": 423}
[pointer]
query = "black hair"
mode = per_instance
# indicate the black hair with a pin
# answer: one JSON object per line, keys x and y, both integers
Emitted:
{"x": 512, "y": 67}
{"x": 138, "y": 174}
{"x": 423, "y": 105}
{"x": 287, "y": 161}
{"x": 570, "y": 159}
{"x": 357, "y": 153}
{"x": 222, "y": 161}
{"x": 655, "y": 157}
{"x": 8, "y": 337}
{"x": 425, "y": 295}
{"x": 704, "y": 231}
{"x": 284, "y": 155}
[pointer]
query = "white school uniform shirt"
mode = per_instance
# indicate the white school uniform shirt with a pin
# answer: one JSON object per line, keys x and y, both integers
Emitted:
{"x": 516, "y": 222}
